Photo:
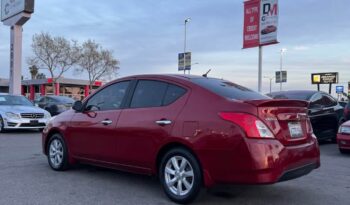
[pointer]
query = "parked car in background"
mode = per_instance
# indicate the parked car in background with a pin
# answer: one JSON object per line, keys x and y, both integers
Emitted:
{"x": 188, "y": 130}
{"x": 347, "y": 111}
{"x": 17, "y": 112}
{"x": 343, "y": 137}
{"x": 324, "y": 111}
{"x": 55, "y": 104}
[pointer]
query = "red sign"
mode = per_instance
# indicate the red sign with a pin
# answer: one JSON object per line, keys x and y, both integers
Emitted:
{"x": 260, "y": 23}
{"x": 98, "y": 83}
{"x": 251, "y": 24}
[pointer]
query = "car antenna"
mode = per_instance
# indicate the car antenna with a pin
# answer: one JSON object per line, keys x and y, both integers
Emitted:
{"x": 206, "y": 74}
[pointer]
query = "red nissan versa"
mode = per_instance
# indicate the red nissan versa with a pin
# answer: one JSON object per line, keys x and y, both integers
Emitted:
{"x": 191, "y": 131}
{"x": 343, "y": 138}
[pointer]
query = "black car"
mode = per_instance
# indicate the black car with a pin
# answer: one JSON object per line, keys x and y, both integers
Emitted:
{"x": 347, "y": 112}
{"x": 325, "y": 113}
{"x": 55, "y": 104}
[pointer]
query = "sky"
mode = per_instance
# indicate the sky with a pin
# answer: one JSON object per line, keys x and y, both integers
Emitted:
{"x": 146, "y": 37}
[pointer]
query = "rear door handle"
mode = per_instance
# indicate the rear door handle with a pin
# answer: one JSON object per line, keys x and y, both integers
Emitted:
{"x": 106, "y": 122}
{"x": 163, "y": 122}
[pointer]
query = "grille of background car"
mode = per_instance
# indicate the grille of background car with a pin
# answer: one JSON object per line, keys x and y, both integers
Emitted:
{"x": 32, "y": 115}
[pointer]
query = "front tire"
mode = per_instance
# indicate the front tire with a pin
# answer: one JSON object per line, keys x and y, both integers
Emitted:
{"x": 1, "y": 125}
{"x": 180, "y": 175}
{"x": 57, "y": 153}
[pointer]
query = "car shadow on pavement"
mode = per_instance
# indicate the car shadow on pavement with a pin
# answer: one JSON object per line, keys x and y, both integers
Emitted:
{"x": 221, "y": 194}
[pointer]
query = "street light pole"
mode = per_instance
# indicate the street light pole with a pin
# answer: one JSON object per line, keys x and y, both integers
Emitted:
{"x": 185, "y": 42}
{"x": 283, "y": 50}
{"x": 270, "y": 78}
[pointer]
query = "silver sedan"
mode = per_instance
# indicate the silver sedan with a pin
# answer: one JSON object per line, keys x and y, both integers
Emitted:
{"x": 17, "y": 112}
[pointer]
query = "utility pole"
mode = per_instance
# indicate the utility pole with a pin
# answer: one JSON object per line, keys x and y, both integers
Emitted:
{"x": 283, "y": 50}
{"x": 185, "y": 42}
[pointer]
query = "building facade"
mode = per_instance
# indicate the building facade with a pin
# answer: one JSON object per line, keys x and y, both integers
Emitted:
{"x": 76, "y": 89}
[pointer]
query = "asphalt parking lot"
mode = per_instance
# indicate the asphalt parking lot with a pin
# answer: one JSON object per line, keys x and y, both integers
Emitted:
{"x": 25, "y": 178}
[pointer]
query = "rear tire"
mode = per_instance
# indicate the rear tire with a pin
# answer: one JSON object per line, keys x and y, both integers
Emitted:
{"x": 57, "y": 153}
{"x": 180, "y": 175}
{"x": 343, "y": 151}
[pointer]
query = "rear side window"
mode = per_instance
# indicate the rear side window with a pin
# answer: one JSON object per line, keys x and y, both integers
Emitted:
{"x": 173, "y": 93}
{"x": 151, "y": 93}
{"x": 228, "y": 89}
{"x": 148, "y": 93}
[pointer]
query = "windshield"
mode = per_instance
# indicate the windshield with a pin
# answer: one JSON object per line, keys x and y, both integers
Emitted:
{"x": 14, "y": 100}
{"x": 228, "y": 89}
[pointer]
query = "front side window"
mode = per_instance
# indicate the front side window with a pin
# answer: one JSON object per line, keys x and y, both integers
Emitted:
{"x": 328, "y": 101}
{"x": 109, "y": 98}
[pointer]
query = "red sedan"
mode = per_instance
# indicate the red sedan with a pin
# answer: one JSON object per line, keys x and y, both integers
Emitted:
{"x": 343, "y": 137}
{"x": 191, "y": 131}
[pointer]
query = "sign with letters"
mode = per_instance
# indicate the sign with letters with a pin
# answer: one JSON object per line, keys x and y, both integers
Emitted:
{"x": 10, "y": 8}
{"x": 324, "y": 78}
{"x": 260, "y": 23}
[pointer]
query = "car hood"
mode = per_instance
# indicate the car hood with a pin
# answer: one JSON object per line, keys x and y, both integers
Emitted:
{"x": 346, "y": 124}
{"x": 21, "y": 109}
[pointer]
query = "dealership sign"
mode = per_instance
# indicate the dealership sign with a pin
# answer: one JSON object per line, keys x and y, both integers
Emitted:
{"x": 184, "y": 61}
{"x": 279, "y": 78}
{"x": 324, "y": 78}
{"x": 10, "y": 8}
{"x": 260, "y": 23}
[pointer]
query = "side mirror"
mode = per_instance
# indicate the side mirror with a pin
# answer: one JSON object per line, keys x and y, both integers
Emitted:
{"x": 78, "y": 106}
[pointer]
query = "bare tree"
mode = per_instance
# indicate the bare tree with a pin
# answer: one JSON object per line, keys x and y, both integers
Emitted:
{"x": 97, "y": 62}
{"x": 56, "y": 54}
{"x": 34, "y": 71}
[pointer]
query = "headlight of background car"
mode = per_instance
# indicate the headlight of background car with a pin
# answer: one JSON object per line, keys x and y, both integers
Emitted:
{"x": 13, "y": 115}
{"x": 344, "y": 130}
{"x": 47, "y": 115}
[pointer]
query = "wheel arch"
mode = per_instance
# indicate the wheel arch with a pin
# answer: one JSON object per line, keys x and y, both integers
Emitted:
{"x": 49, "y": 135}
{"x": 206, "y": 178}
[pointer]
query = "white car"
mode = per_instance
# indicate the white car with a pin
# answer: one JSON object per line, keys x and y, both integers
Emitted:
{"x": 17, "y": 112}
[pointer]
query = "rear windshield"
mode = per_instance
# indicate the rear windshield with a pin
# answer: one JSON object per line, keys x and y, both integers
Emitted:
{"x": 228, "y": 89}
{"x": 293, "y": 96}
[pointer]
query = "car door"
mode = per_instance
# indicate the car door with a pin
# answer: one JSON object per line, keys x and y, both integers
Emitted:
{"x": 42, "y": 102}
{"x": 92, "y": 131}
{"x": 323, "y": 116}
{"x": 147, "y": 121}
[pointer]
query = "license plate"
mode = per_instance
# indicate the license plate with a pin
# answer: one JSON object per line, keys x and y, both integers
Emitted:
{"x": 295, "y": 129}
{"x": 34, "y": 122}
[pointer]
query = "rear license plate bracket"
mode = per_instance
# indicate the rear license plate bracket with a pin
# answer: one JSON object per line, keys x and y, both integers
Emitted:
{"x": 295, "y": 130}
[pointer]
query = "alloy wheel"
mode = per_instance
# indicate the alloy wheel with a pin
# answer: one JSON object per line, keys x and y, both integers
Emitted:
{"x": 56, "y": 153}
{"x": 179, "y": 175}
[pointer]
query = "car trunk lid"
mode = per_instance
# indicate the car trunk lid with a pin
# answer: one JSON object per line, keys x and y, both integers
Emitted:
{"x": 287, "y": 119}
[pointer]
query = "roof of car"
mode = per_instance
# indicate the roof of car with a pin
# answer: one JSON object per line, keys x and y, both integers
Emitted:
{"x": 310, "y": 92}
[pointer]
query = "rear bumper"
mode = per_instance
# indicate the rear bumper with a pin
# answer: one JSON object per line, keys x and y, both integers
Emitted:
{"x": 267, "y": 162}
{"x": 343, "y": 141}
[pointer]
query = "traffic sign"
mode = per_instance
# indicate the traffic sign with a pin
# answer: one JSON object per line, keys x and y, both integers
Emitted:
{"x": 184, "y": 61}
{"x": 339, "y": 89}
{"x": 278, "y": 76}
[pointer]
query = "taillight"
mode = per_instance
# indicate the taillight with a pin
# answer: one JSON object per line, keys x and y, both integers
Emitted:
{"x": 253, "y": 127}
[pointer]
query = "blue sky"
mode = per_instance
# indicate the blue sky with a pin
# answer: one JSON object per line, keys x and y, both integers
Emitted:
{"x": 147, "y": 35}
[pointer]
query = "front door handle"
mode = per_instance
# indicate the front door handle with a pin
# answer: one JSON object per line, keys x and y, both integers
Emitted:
{"x": 106, "y": 122}
{"x": 163, "y": 122}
